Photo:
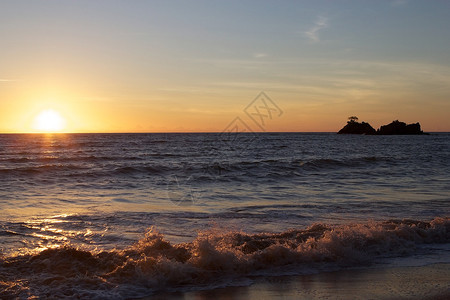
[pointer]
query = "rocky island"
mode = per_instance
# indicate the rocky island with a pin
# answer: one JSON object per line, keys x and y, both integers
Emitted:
{"x": 394, "y": 128}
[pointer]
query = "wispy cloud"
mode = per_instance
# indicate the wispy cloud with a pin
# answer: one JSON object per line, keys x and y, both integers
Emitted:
{"x": 259, "y": 55}
{"x": 7, "y": 80}
{"x": 313, "y": 32}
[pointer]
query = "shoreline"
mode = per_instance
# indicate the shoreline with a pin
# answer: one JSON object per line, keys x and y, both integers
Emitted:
{"x": 428, "y": 282}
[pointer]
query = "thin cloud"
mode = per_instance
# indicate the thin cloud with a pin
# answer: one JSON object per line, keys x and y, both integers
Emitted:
{"x": 259, "y": 55}
{"x": 313, "y": 33}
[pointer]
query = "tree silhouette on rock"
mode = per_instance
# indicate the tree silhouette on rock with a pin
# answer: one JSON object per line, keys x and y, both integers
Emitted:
{"x": 354, "y": 127}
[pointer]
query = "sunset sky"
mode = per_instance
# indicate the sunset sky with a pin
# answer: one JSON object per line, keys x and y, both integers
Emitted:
{"x": 194, "y": 66}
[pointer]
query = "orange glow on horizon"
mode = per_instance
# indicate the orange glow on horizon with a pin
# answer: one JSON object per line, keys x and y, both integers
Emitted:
{"x": 71, "y": 111}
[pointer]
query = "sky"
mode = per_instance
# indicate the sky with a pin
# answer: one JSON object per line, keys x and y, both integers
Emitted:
{"x": 197, "y": 66}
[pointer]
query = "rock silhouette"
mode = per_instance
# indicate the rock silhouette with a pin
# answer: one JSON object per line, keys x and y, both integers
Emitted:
{"x": 397, "y": 127}
{"x": 354, "y": 127}
{"x": 394, "y": 128}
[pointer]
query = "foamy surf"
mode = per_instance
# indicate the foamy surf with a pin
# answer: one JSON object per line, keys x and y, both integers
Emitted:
{"x": 213, "y": 259}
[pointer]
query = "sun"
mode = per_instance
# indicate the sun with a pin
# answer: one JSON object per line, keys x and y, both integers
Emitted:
{"x": 49, "y": 120}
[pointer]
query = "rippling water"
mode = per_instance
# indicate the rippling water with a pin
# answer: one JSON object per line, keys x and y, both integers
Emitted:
{"x": 250, "y": 202}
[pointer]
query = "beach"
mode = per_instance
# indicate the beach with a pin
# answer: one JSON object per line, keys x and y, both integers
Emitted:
{"x": 425, "y": 282}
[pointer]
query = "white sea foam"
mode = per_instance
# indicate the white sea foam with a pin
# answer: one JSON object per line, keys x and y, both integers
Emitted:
{"x": 213, "y": 259}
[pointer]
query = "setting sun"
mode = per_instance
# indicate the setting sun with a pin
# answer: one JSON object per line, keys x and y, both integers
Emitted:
{"x": 49, "y": 121}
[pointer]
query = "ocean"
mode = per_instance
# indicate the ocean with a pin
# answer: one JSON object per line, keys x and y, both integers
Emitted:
{"x": 119, "y": 216}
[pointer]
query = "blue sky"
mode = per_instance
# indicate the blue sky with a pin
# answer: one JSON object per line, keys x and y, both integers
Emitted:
{"x": 194, "y": 65}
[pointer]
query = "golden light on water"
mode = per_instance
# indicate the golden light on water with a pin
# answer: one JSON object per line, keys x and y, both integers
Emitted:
{"x": 49, "y": 120}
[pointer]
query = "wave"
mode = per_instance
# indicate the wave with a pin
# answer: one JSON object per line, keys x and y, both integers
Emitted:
{"x": 43, "y": 169}
{"x": 323, "y": 163}
{"x": 201, "y": 170}
{"x": 213, "y": 259}
{"x": 128, "y": 170}
{"x": 82, "y": 170}
{"x": 283, "y": 168}
{"x": 15, "y": 160}
{"x": 67, "y": 159}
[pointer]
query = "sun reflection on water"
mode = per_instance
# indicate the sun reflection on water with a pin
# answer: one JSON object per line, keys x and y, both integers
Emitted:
{"x": 49, "y": 233}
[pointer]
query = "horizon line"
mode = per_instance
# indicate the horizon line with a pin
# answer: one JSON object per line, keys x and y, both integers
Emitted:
{"x": 178, "y": 132}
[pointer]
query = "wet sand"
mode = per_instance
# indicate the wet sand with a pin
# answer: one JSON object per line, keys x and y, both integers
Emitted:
{"x": 427, "y": 282}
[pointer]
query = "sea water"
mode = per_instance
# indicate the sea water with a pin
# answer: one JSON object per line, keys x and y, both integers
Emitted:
{"x": 130, "y": 215}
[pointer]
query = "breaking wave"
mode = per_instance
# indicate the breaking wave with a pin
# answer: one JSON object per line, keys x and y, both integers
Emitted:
{"x": 213, "y": 259}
